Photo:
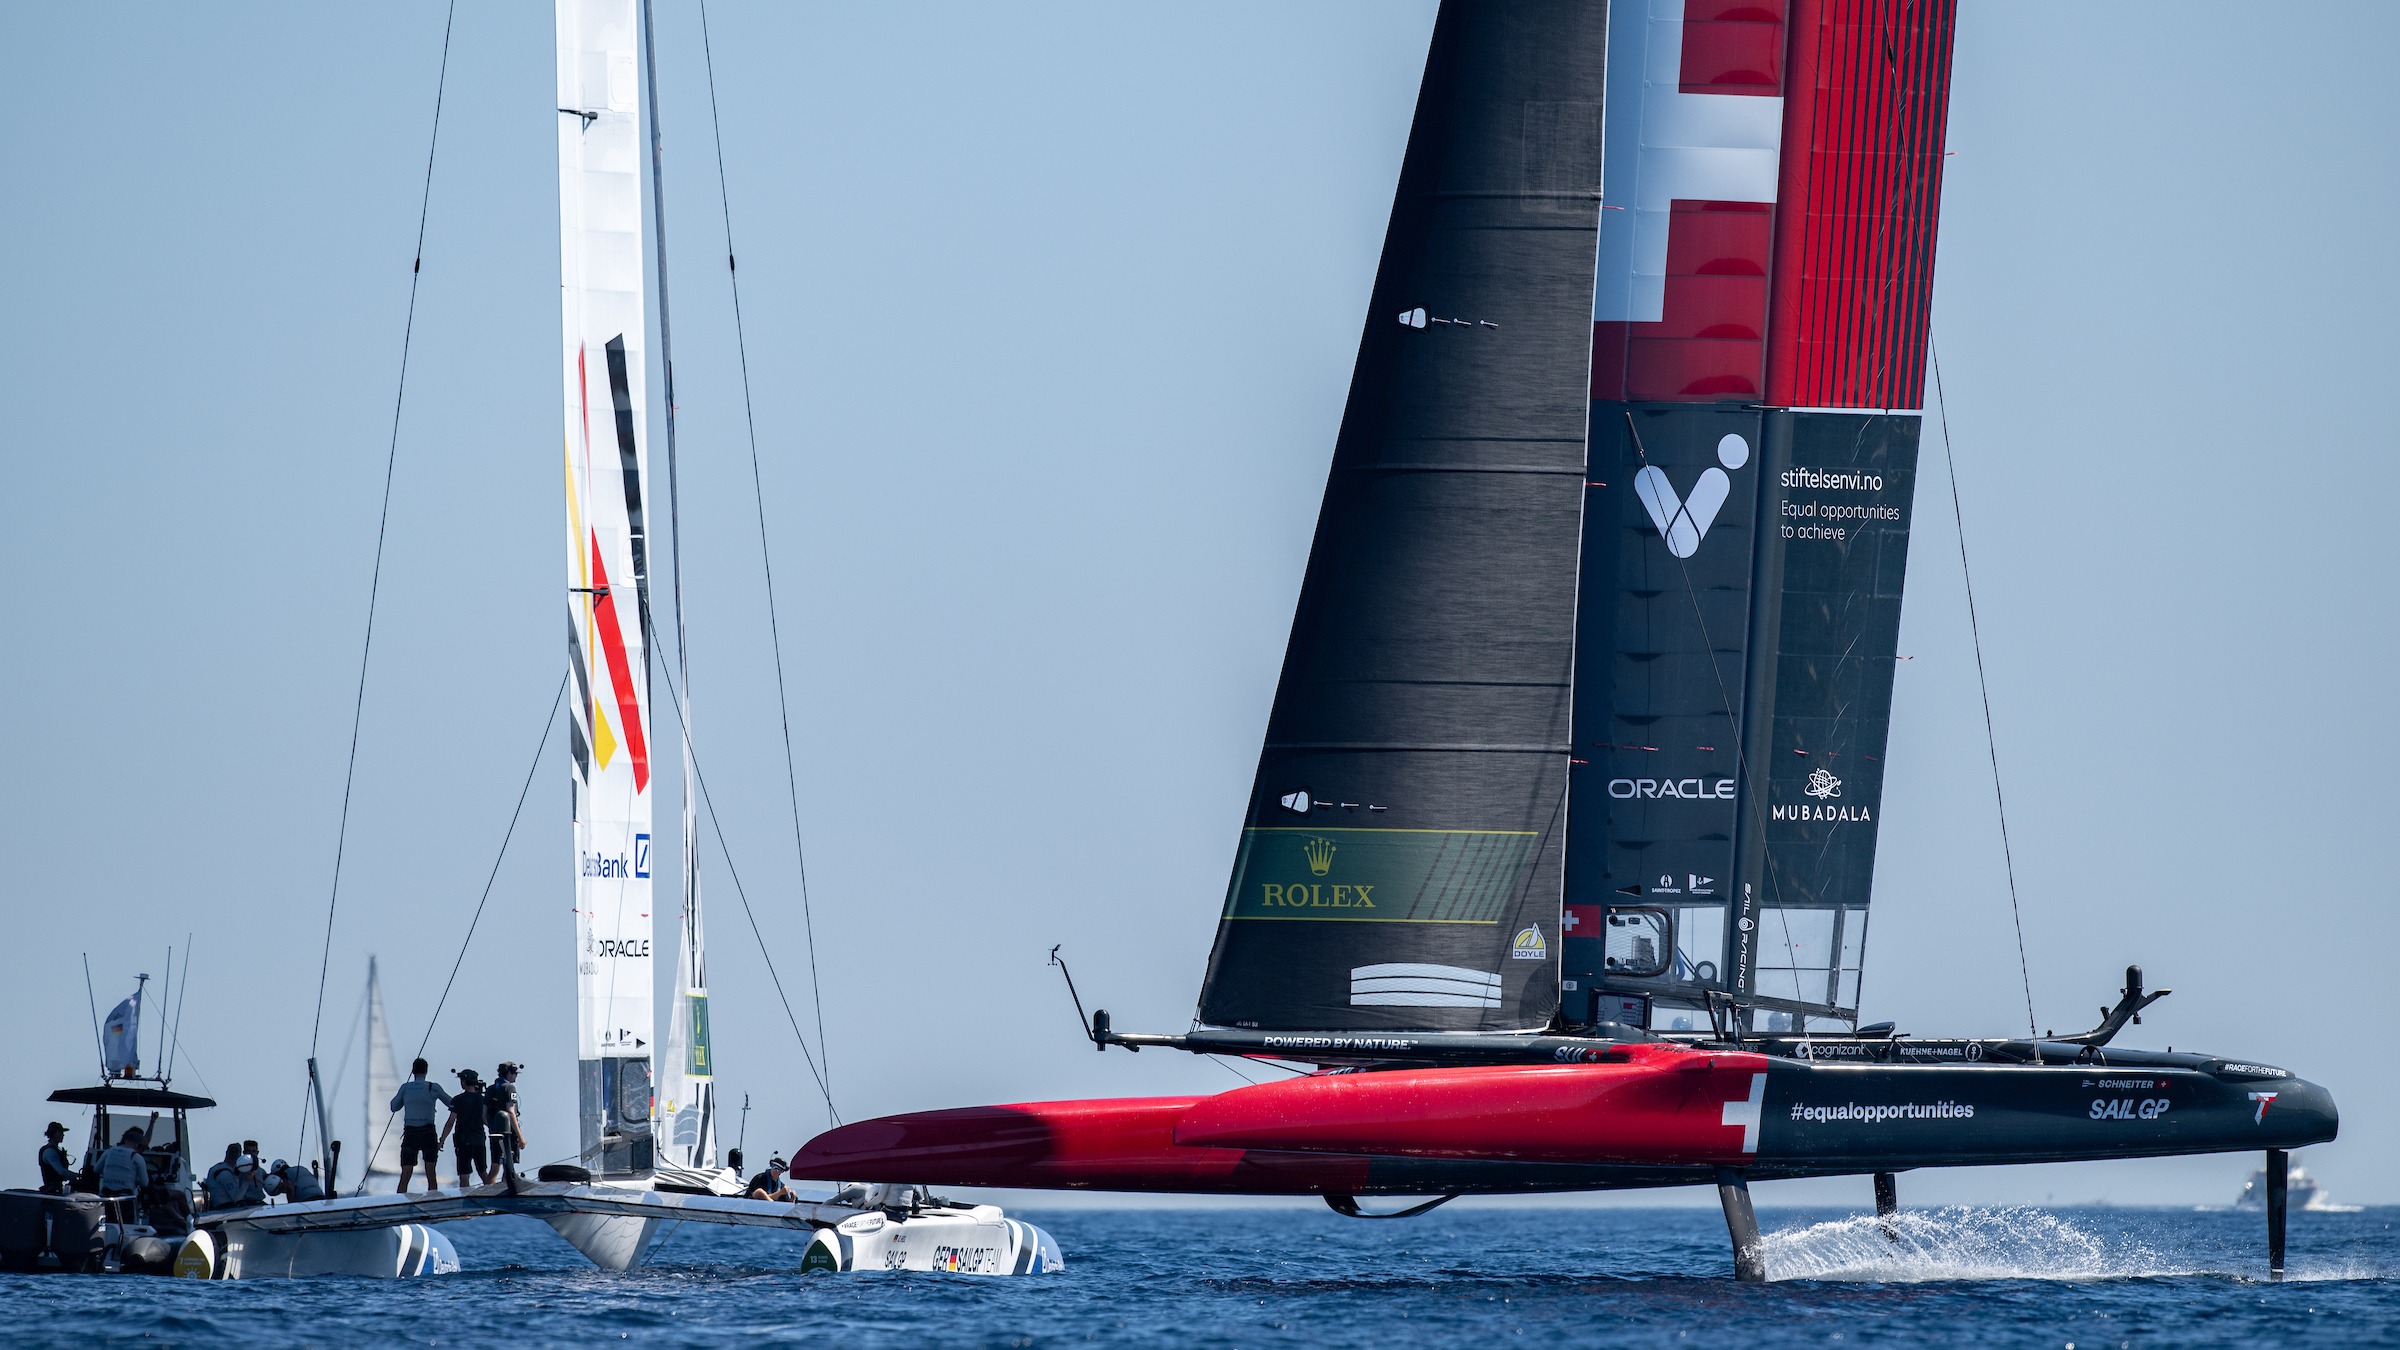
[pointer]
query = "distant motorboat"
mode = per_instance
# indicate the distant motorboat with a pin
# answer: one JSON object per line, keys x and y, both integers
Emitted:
{"x": 2304, "y": 1193}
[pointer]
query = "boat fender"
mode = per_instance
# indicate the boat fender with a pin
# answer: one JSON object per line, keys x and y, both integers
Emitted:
{"x": 150, "y": 1255}
{"x": 198, "y": 1259}
{"x": 824, "y": 1254}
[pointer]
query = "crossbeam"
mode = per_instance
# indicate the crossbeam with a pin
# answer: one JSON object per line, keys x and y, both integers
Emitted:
{"x": 540, "y": 1199}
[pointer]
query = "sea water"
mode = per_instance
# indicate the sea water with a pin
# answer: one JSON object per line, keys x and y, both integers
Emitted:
{"x": 1485, "y": 1276}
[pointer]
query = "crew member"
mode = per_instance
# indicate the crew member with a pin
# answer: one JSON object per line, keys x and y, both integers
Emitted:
{"x": 506, "y": 1127}
{"x": 470, "y": 1113}
{"x": 58, "y": 1174}
{"x": 123, "y": 1171}
{"x": 768, "y": 1185}
{"x": 250, "y": 1185}
{"x": 415, "y": 1102}
{"x": 224, "y": 1180}
{"x": 296, "y": 1184}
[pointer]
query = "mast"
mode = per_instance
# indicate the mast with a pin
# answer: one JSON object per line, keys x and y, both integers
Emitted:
{"x": 687, "y": 1090}
{"x": 604, "y": 352}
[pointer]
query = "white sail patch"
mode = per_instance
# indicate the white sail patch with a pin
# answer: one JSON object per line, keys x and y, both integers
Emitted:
{"x": 1417, "y": 984}
{"x": 1663, "y": 145}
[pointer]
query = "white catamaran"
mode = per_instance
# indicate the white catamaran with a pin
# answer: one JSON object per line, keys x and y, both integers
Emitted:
{"x": 627, "y": 1183}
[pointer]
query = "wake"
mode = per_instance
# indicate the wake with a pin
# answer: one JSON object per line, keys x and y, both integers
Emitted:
{"x": 1959, "y": 1243}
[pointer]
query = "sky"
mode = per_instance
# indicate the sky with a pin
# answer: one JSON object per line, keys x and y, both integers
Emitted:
{"x": 1050, "y": 311}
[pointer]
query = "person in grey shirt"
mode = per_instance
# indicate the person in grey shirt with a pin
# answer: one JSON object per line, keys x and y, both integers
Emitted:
{"x": 296, "y": 1184}
{"x": 122, "y": 1168}
{"x": 224, "y": 1180}
{"x": 415, "y": 1101}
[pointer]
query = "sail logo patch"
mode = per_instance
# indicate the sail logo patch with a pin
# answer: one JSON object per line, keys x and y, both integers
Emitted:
{"x": 1822, "y": 784}
{"x": 1683, "y": 521}
{"x": 1422, "y": 984}
{"x": 1529, "y": 945}
{"x": 1320, "y": 856}
{"x": 641, "y": 857}
{"x": 1747, "y": 1112}
{"x": 1687, "y": 789}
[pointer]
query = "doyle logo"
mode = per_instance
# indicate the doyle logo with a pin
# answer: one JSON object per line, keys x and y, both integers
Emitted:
{"x": 1320, "y": 856}
{"x": 2264, "y": 1100}
{"x": 1683, "y": 521}
{"x": 1529, "y": 946}
{"x": 1822, "y": 784}
{"x": 641, "y": 857}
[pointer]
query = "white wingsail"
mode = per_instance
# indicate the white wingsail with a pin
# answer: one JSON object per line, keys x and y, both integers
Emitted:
{"x": 686, "y": 1082}
{"x": 605, "y": 349}
{"x": 383, "y": 1079}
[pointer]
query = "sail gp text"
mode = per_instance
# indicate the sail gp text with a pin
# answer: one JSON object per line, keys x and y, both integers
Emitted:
{"x": 2126, "y": 1108}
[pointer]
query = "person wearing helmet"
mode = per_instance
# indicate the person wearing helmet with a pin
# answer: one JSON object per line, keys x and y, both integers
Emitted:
{"x": 507, "y": 1128}
{"x": 768, "y": 1185}
{"x": 470, "y": 1126}
{"x": 295, "y": 1184}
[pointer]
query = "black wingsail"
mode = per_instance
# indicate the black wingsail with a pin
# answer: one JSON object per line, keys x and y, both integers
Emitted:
{"x": 1401, "y": 863}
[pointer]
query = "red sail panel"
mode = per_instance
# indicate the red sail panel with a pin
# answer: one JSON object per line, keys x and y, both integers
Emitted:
{"x": 620, "y": 668}
{"x": 1709, "y": 339}
{"x": 1865, "y": 105}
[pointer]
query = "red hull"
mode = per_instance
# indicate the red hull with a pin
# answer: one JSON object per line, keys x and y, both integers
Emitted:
{"x": 1114, "y": 1144}
{"x": 1663, "y": 1107}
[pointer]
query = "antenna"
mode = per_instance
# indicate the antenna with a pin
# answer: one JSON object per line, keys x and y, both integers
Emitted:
{"x": 183, "y": 986}
{"x": 99, "y": 1050}
{"x": 742, "y": 1135}
{"x": 166, "y": 990}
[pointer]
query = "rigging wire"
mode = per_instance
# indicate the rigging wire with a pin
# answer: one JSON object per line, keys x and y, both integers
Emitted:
{"x": 383, "y": 519}
{"x": 1991, "y": 743}
{"x": 675, "y": 701}
{"x": 549, "y": 720}
{"x": 791, "y": 775}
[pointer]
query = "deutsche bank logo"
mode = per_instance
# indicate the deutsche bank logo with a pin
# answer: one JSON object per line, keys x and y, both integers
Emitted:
{"x": 1684, "y": 521}
{"x": 641, "y": 857}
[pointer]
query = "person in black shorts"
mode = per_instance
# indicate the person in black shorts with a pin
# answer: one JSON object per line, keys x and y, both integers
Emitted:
{"x": 506, "y": 1128}
{"x": 415, "y": 1102}
{"x": 470, "y": 1113}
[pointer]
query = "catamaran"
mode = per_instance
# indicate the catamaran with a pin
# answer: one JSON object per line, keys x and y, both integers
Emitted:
{"x": 627, "y": 1185}
{"x": 1555, "y": 872}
